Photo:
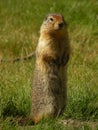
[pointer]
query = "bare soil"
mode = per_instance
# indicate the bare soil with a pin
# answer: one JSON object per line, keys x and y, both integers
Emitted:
{"x": 79, "y": 123}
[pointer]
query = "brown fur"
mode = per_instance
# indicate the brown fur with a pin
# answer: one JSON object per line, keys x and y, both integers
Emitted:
{"x": 49, "y": 91}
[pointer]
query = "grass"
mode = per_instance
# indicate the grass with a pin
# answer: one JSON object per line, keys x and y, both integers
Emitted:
{"x": 19, "y": 32}
{"x": 43, "y": 125}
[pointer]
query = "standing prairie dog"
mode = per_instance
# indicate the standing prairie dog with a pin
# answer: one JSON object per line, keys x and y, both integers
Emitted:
{"x": 49, "y": 91}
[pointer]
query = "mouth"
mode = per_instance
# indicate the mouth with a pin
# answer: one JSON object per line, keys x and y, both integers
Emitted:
{"x": 59, "y": 26}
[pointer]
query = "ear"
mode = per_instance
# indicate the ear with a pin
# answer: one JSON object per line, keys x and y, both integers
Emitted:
{"x": 46, "y": 18}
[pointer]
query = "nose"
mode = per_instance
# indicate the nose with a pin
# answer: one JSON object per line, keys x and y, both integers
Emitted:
{"x": 61, "y": 25}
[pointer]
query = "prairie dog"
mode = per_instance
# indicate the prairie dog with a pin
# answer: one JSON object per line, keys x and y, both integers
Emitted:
{"x": 49, "y": 91}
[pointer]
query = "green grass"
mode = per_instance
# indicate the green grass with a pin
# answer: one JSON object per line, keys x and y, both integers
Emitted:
{"x": 19, "y": 32}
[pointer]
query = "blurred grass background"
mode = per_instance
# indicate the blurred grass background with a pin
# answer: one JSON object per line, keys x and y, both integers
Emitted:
{"x": 20, "y": 22}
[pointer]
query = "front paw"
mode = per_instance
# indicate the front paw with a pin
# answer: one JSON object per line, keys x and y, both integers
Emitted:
{"x": 65, "y": 60}
{"x": 52, "y": 61}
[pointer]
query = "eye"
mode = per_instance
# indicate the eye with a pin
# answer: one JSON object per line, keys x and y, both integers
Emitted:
{"x": 51, "y": 19}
